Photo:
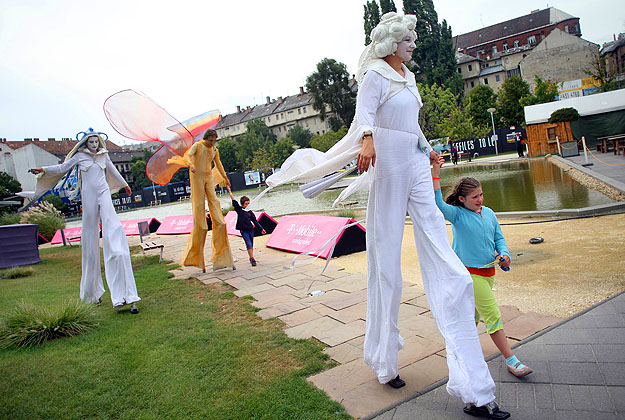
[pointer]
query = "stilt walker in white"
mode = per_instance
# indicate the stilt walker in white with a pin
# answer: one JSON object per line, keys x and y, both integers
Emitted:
{"x": 394, "y": 157}
{"x": 97, "y": 178}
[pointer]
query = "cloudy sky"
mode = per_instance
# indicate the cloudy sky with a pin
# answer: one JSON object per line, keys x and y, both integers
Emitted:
{"x": 60, "y": 59}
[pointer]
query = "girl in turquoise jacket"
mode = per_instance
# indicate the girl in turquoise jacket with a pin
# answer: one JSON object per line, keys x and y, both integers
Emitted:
{"x": 477, "y": 238}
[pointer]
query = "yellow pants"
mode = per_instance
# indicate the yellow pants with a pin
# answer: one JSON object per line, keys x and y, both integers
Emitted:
{"x": 486, "y": 306}
{"x": 202, "y": 188}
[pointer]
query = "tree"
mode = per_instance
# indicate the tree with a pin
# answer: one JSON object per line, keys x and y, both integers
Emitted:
{"x": 257, "y": 136}
{"x": 9, "y": 186}
{"x": 325, "y": 141}
{"x": 137, "y": 169}
{"x": 434, "y": 59}
{"x": 228, "y": 153}
{"x": 329, "y": 87}
{"x": 300, "y": 135}
{"x": 508, "y": 101}
{"x": 564, "y": 114}
{"x": 606, "y": 78}
{"x": 371, "y": 19}
{"x": 458, "y": 126}
{"x": 387, "y": 6}
{"x": 438, "y": 103}
{"x": 260, "y": 160}
{"x": 281, "y": 150}
{"x": 544, "y": 92}
{"x": 476, "y": 105}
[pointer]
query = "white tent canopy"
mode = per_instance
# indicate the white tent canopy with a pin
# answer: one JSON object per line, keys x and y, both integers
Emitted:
{"x": 598, "y": 103}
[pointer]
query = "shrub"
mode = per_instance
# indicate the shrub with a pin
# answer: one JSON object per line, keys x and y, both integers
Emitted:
{"x": 16, "y": 272}
{"x": 564, "y": 114}
{"x": 46, "y": 216}
{"x": 9, "y": 219}
{"x": 31, "y": 326}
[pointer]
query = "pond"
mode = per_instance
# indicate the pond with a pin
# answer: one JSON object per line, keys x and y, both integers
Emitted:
{"x": 533, "y": 184}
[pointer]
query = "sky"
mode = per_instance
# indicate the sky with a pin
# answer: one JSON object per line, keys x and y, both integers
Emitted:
{"x": 61, "y": 59}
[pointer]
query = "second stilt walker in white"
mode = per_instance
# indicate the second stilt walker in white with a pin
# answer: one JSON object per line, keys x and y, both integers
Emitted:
{"x": 97, "y": 178}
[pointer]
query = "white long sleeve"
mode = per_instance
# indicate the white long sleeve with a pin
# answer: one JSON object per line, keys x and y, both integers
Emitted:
{"x": 371, "y": 94}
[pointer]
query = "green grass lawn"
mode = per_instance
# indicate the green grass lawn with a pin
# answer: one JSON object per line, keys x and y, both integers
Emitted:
{"x": 194, "y": 351}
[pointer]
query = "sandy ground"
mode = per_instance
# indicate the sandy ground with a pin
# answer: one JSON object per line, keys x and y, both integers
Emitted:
{"x": 580, "y": 263}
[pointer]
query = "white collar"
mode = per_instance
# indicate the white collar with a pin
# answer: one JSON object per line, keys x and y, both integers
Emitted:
{"x": 384, "y": 69}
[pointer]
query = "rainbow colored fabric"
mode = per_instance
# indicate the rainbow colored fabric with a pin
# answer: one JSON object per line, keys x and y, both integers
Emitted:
{"x": 137, "y": 117}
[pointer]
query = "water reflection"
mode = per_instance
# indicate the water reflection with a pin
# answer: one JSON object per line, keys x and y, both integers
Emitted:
{"x": 525, "y": 185}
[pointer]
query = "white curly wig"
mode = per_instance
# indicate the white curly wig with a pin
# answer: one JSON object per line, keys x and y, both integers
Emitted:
{"x": 384, "y": 38}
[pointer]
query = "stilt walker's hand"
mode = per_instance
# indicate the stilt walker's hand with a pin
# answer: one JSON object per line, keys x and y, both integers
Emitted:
{"x": 128, "y": 190}
{"x": 366, "y": 156}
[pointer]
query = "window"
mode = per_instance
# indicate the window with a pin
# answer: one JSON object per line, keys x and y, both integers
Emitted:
{"x": 505, "y": 46}
{"x": 566, "y": 28}
{"x": 551, "y": 134}
{"x": 470, "y": 67}
{"x": 516, "y": 43}
{"x": 531, "y": 40}
{"x": 507, "y": 61}
{"x": 460, "y": 70}
{"x": 576, "y": 28}
{"x": 486, "y": 80}
{"x": 299, "y": 110}
{"x": 269, "y": 119}
{"x": 497, "y": 78}
{"x": 304, "y": 109}
{"x": 472, "y": 84}
{"x": 494, "y": 49}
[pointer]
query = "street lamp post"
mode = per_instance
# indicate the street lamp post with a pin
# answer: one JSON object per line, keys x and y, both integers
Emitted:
{"x": 492, "y": 120}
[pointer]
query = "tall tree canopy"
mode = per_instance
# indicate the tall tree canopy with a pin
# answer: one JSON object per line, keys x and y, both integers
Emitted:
{"x": 371, "y": 18}
{"x": 438, "y": 103}
{"x": 544, "y": 92}
{"x": 434, "y": 59}
{"x": 387, "y": 6}
{"x": 329, "y": 87}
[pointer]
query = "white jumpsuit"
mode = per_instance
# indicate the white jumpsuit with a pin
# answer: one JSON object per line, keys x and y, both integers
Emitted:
{"x": 97, "y": 172}
{"x": 402, "y": 183}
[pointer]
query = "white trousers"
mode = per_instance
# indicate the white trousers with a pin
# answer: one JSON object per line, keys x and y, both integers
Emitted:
{"x": 97, "y": 206}
{"x": 402, "y": 183}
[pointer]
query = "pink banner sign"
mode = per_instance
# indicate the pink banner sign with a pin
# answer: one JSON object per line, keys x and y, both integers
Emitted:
{"x": 71, "y": 234}
{"x": 231, "y": 222}
{"x": 309, "y": 233}
{"x": 176, "y": 225}
{"x": 132, "y": 228}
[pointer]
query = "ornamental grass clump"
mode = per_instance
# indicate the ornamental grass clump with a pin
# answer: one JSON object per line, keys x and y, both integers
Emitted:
{"x": 32, "y": 326}
{"x": 46, "y": 216}
{"x": 346, "y": 213}
{"x": 16, "y": 272}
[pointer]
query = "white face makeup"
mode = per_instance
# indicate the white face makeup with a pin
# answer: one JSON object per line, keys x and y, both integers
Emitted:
{"x": 405, "y": 47}
{"x": 93, "y": 143}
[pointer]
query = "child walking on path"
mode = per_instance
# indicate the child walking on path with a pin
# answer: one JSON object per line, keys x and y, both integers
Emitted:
{"x": 246, "y": 223}
{"x": 476, "y": 238}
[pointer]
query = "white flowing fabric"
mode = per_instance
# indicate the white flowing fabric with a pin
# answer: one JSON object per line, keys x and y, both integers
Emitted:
{"x": 100, "y": 178}
{"x": 402, "y": 182}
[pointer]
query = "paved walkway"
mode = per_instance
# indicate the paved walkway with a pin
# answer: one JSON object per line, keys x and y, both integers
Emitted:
{"x": 607, "y": 167}
{"x": 579, "y": 373}
{"x": 337, "y": 318}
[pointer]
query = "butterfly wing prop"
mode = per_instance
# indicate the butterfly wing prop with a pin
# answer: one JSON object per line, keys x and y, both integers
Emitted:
{"x": 137, "y": 117}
